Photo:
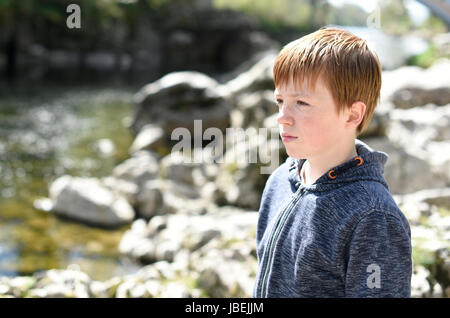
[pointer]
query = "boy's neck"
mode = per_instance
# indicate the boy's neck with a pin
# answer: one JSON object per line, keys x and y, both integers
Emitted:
{"x": 313, "y": 168}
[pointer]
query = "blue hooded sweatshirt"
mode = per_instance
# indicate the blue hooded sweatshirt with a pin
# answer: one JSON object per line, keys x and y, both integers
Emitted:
{"x": 342, "y": 236}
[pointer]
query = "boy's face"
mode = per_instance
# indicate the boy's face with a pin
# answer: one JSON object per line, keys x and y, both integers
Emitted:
{"x": 310, "y": 116}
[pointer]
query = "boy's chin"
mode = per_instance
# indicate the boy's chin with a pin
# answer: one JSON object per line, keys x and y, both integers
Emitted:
{"x": 293, "y": 153}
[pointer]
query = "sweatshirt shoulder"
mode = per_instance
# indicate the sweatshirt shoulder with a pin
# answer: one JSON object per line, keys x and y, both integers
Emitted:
{"x": 382, "y": 201}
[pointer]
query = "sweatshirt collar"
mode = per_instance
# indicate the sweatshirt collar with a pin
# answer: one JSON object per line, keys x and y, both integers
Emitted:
{"x": 367, "y": 165}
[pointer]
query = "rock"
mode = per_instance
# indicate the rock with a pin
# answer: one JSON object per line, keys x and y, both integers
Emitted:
{"x": 379, "y": 122}
{"x": 259, "y": 77}
{"x": 208, "y": 39}
{"x": 61, "y": 284}
{"x": 405, "y": 172}
{"x": 182, "y": 169}
{"x": 155, "y": 280}
{"x": 176, "y": 100}
{"x": 414, "y": 128}
{"x": 175, "y": 290}
{"x": 438, "y": 155}
{"x": 410, "y": 97}
{"x": 164, "y": 236}
{"x": 150, "y": 137}
{"x": 16, "y": 286}
{"x": 248, "y": 162}
{"x": 140, "y": 168}
{"x": 436, "y": 196}
{"x": 441, "y": 42}
{"x": 121, "y": 187}
{"x": 227, "y": 268}
{"x": 420, "y": 286}
{"x": 88, "y": 200}
{"x": 43, "y": 204}
{"x": 441, "y": 268}
{"x": 105, "y": 147}
{"x": 426, "y": 238}
{"x": 212, "y": 257}
{"x": 150, "y": 200}
{"x": 133, "y": 288}
{"x": 105, "y": 289}
{"x": 435, "y": 77}
{"x": 254, "y": 108}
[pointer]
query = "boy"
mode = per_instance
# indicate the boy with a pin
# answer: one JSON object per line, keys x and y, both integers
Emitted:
{"x": 328, "y": 226}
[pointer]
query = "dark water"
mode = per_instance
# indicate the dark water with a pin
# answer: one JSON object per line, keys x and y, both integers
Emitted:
{"x": 46, "y": 131}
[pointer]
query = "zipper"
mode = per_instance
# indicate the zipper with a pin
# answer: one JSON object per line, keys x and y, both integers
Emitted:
{"x": 275, "y": 233}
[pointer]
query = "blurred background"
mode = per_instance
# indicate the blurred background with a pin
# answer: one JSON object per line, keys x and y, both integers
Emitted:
{"x": 91, "y": 202}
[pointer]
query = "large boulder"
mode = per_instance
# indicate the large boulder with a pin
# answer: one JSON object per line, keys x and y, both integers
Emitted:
{"x": 424, "y": 132}
{"x": 409, "y": 97}
{"x": 176, "y": 99}
{"x": 258, "y": 77}
{"x": 405, "y": 171}
{"x": 189, "y": 101}
{"x": 88, "y": 200}
{"x": 399, "y": 85}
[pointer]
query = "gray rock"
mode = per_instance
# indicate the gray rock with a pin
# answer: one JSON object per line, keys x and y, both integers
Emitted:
{"x": 249, "y": 160}
{"x": 420, "y": 286}
{"x": 140, "y": 168}
{"x": 434, "y": 77}
{"x": 121, "y": 187}
{"x": 414, "y": 128}
{"x": 441, "y": 268}
{"x": 164, "y": 236}
{"x": 177, "y": 99}
{"x": 404, "y": 171}
{"x": 254, "y": 109}
{"x": 409, "y": 97}
{"x": 61, "y": 284}
{"x": 150, "y": 137}
{"x": 259, "y": 77}
{"x": 88, "y": 200}
{"x": 150, "y": 200}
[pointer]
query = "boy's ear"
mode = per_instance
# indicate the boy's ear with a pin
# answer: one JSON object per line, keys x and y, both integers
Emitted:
{"x": 356, "y": 113}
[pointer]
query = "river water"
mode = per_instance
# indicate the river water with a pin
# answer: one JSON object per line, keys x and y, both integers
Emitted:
{"x": 45, "y": 132}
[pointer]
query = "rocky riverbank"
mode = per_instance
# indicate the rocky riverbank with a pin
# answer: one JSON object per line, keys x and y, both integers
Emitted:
{"x": 194, "y": 222}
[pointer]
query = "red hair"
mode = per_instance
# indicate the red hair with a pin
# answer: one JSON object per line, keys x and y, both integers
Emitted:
{"x": 349, "y": 68}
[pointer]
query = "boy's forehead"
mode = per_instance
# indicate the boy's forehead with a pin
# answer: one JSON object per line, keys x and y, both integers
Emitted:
{"x": 305, "y": 88}
{"x": 291, "y": 91}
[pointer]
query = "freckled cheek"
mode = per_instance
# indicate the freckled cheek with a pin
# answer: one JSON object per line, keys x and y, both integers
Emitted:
{"x": 315, "y": 131}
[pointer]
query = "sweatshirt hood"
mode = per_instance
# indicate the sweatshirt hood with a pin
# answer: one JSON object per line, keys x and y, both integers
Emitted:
{"x": 367, "y": 165}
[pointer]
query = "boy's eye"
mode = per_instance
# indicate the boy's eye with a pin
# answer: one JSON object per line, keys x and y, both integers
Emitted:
{"x": 300, "y": 103}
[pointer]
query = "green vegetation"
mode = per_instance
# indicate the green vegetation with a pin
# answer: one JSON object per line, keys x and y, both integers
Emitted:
{"x": 278, "y": 17}
{"x": 424, "y": 59}
{"x": 423, "y": 257}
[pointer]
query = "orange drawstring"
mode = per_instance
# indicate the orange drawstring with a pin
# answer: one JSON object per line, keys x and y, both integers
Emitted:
{"x": 360, "y": 160}
{"x": 329, "y": 174}
{"x": 332, "y": 175}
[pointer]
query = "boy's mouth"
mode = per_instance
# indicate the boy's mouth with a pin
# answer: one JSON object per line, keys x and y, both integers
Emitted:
{"x": 286, "y": 137}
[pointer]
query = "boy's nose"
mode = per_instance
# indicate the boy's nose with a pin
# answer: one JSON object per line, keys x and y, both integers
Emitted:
{"x": 284, "y": 118}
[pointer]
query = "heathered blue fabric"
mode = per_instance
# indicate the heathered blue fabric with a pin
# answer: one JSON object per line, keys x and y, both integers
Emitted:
{"x": 334, "y": 233}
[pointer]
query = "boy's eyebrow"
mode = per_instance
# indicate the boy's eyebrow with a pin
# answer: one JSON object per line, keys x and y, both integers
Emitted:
{"x": 293, "y": 95}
